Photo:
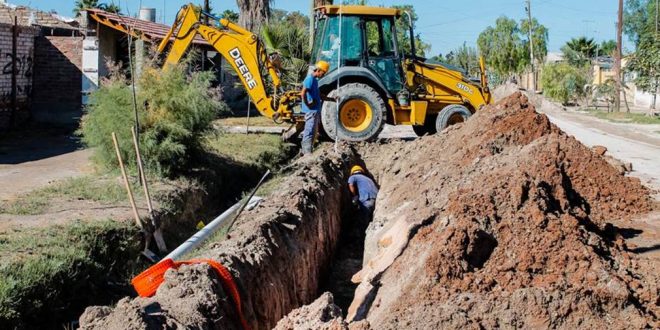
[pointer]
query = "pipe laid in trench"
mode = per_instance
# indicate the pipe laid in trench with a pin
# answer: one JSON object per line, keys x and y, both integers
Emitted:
{"x": 199, "y": 237}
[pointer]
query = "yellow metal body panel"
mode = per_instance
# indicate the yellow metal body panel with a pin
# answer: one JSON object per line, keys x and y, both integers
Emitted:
{"x": 418, "y": 112}
{"x": 241, "y": 50}
{"x": 359, "y": 10}
{"x": 442, "y": 86}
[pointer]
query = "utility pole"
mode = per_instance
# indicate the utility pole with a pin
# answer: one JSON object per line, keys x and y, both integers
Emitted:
{"x": 207, "y": 10}
{"x": 617, "y": 58}
{"x": 531, "y": 44}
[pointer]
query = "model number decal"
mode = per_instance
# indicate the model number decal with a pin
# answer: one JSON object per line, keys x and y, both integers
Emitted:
{"x": 464, "y": 87}
{"x": 242, "y": 68}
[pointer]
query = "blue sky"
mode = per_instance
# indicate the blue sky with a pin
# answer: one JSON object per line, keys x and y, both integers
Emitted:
{"x": 443, "y": 24}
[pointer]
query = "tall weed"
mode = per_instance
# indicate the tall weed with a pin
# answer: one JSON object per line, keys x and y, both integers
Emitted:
{"x": 175, "y": 110}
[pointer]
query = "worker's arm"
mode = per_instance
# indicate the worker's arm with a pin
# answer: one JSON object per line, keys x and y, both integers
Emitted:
{"x": 303, "y": 96}
{"x": 353, "y": 190}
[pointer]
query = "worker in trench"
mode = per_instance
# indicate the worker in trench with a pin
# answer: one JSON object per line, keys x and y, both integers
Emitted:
{"x": 364, "y": 192}
{"x": 311, "y": 105}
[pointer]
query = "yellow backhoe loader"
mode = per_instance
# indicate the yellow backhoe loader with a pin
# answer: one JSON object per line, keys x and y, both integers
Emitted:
{"x": 373, "y": 81}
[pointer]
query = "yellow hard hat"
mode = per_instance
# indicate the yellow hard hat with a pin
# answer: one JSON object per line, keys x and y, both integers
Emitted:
{"x": 323, "y": 65}
{"x": 356, "y": 168}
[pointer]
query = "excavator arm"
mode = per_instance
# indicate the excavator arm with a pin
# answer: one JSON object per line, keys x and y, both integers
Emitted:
{"x": 242, "y": 50}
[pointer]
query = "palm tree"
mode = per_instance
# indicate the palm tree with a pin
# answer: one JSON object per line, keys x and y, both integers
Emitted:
{"x": 81, "y": 5}
{"x": 230, "y": 15}
{"x": 291, "y": 43}
{"x": 253, "y": 13}
{"x": 579, "y": 51}
{"x": 111, "y": 8}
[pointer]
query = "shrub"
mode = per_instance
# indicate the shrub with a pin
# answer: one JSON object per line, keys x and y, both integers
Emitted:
{"x": 563, "y": 82}
{"x": 175, "y": 109}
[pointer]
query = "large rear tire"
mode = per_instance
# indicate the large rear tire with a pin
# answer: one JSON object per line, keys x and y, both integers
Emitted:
{"x": 361, "y": 113}
{"x": 451, "y": 115}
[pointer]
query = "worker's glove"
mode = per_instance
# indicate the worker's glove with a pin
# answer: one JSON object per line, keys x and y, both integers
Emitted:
{"x": 355, "y": 200}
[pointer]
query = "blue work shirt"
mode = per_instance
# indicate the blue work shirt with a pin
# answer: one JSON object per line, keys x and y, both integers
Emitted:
{"x": 313, "y": 94}
{"x": 366, "y": 187}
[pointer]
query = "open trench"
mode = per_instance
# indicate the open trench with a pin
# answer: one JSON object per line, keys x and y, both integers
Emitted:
{"x": 302, "y": 241}
{"x": 499, "y": 222}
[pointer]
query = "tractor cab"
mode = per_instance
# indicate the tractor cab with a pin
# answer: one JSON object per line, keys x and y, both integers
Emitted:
{"x": 375, "y": 83}
{"x": 366, "y": 47}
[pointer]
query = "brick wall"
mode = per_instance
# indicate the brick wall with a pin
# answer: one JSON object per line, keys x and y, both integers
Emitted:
{"x": 56, "y": 94}
{"x": 24, "y": 72}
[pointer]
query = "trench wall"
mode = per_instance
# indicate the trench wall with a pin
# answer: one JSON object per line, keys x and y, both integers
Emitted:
{"x": 278, "y": 253}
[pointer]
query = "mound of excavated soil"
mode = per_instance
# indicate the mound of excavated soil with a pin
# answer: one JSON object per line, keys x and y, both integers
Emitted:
{"x": 500, "y": 222}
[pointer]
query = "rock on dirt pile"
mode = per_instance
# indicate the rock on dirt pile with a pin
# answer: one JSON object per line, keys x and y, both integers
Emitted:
{"x": 501, "y": 222}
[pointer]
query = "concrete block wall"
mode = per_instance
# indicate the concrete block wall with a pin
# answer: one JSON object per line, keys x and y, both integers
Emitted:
{"x": 24, "y": 61}
{"x": 56, "y": 96}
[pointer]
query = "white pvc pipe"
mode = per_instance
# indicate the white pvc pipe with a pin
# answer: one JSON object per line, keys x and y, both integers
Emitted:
{"x": 199, "y": 237}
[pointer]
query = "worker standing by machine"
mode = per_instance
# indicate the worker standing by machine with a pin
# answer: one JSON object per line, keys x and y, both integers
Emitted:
{"x": 363, "y": 191}
{"x": 311, "y": 105}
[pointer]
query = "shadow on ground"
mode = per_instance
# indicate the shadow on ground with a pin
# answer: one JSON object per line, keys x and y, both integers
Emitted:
{"x": 35, "y": 143}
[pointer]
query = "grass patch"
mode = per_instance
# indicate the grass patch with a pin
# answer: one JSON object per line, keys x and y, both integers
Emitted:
{"x": 91, "y": 188}
{"x": 270, "y": 186}
{"x": 624, "y": 117}
{"x": 50, "y": 274}
{"x": 252, "y": 149}
{"x": 243, "y": 121}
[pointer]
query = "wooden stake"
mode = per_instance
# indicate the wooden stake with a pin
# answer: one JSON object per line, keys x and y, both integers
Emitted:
{"x": 158, "y": 233}
{"x": 128, "y": 186}
{"x": 142, "y": 175}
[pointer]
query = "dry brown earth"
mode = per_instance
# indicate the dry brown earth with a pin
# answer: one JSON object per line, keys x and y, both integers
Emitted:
{"x": 503, "y": 221}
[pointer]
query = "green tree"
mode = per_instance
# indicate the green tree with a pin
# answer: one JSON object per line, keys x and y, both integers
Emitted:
{"x": 638, "y": 17}
{"x": 539, "y": 37}
{"x": 403, "y": 35}
{"x": 645, "y": 62}
{"x": 291, "y": 42}
{"x": 465, "y": 58}
{"x": 230, "y": 15}
{"x": 607, "y": 48}
{"x": 579, "y": 51}
{"x": 564, "y": 82}
{"x": 502, "y": 47}
{"x": 111, "y": 8}
{"x": 81, "y": 5}
{"x": 180, "y": 107}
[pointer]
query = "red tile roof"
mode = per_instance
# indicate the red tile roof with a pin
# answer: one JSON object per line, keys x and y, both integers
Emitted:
{"x": 148, "y": 30}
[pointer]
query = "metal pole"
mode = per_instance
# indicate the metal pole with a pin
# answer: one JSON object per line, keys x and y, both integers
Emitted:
{"x": 341, "y": 23}
{"x": 207, "y": 9}
{"x": 531, "y": 44}
{"x": 247, "y": 130}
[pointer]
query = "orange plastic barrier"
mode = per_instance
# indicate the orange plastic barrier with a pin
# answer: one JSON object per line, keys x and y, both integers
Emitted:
{"x": 148, "y": 281}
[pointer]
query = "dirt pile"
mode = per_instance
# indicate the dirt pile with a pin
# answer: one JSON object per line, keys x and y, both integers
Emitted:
{"x": 502, "y": 221}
